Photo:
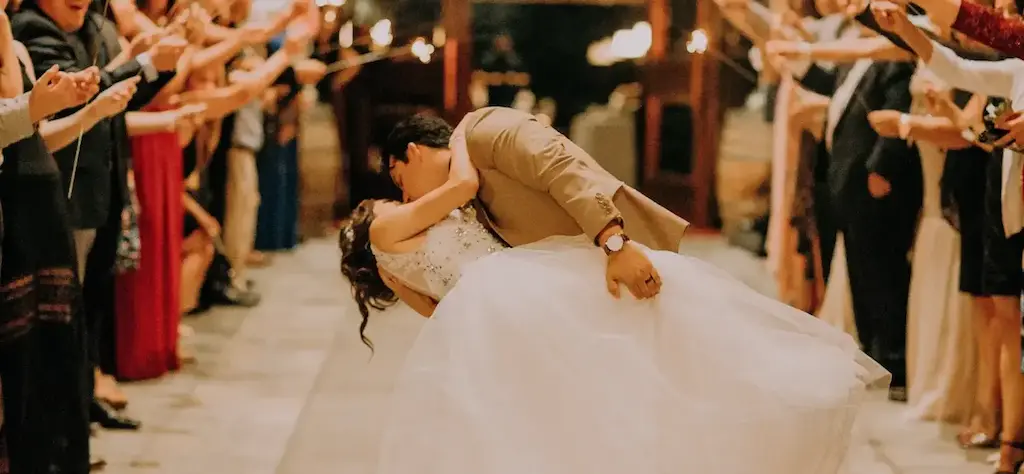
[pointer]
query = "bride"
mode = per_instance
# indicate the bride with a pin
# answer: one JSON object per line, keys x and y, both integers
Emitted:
{"x": 529, "y": 365}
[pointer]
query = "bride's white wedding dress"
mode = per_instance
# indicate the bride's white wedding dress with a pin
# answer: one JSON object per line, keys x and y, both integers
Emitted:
{"x": 530, "y": 366}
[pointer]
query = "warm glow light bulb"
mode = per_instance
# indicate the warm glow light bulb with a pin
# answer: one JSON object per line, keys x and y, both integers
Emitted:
{"x": 346, "y": 35}
{"x": 439, "y": 37}
{"x": 698, "y": 43}
{"x": 380, "y": 33}
{"x": 421, "y": 50}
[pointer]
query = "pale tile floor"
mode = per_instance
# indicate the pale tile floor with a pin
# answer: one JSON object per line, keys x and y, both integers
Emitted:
{"x": 287, "y": 388}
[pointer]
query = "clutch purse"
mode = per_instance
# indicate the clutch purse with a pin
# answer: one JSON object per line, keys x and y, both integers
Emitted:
{"x": 129, "y": 242}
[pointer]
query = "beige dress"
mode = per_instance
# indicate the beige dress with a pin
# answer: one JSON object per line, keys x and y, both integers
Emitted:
{"x": 837, "y": 307}
{"x": 784, "y": 261}
{"x": 940, "y": 343}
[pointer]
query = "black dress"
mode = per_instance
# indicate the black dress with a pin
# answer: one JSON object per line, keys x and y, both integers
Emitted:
{"x": 46, "y": 379}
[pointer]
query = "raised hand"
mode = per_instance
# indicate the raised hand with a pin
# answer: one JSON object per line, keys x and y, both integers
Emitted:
{"x": 296, "y": 42}
{"x": 191, "y": 114}
{"x": 145, "y": 41}
{"x": 309, "y": 71}
{"x": 166, "y": 51}
{"x": 886, "y": 122}
{"x": 56, "y": 91}
{"x": 891, "y": 17}
{"x": 1014, "y": 123}
{"x": 115, "y": 99}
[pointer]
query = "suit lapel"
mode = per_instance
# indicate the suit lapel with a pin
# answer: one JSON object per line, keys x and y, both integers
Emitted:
{"x": 848, "y": 92}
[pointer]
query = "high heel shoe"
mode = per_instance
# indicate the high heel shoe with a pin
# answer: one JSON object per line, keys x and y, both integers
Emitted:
{"x": 109, "y": 418}
{"x": 1016, "y": 446}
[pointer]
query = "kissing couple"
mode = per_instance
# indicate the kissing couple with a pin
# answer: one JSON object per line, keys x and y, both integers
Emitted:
{"x": 518, "y": 245}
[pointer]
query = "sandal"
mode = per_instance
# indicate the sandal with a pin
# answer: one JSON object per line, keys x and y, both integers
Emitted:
{"x": 1015, "y": 446}
{"x": 977, "y": 440}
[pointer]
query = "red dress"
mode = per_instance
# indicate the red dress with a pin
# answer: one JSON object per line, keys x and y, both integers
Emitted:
{"x": 147, "y": 298}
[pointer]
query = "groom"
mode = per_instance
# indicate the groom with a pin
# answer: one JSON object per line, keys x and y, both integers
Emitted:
{"x": 535, "y": 183}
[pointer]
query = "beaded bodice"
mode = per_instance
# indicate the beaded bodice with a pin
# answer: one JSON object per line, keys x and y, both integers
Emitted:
{"x": 436, "y": 266}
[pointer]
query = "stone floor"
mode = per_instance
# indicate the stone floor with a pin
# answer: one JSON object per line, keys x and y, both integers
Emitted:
{"x": 287, "y": 388}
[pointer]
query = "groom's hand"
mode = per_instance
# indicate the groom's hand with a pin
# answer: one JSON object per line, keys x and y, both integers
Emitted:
{"x": 631, "y": 267}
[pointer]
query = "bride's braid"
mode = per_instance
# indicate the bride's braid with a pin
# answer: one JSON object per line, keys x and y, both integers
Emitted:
{"x": 360, "y": 267}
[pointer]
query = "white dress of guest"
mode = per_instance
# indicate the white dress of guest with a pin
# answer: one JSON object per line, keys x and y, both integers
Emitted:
{"x": 940, "y": 342}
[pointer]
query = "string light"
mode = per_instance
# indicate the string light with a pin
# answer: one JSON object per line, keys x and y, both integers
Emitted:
{"x": 380, "y": 33}
{"x": 346, "y": 35}
{"x": 421, "y": 50}
{"x": 439, "y": 37}
{"x": 698, "y": 43}
{"x": 633, "y": 43}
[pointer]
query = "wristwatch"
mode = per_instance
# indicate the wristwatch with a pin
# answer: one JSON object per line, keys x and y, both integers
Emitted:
{"x": 615, "y": 243}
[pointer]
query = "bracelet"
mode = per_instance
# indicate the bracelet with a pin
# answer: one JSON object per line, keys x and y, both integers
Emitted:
{"x": 969, "y": 135}
{"x": 904, "y": 126}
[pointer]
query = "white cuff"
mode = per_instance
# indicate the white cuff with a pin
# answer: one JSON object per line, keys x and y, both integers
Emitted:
{"x": 149, "y": 72}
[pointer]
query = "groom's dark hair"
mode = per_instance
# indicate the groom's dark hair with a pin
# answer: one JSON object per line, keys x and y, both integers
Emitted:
{"x": 421, "y": 129}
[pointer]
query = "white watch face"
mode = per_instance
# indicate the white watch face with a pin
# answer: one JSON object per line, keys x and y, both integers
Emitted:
{"x": 614, "y": 243}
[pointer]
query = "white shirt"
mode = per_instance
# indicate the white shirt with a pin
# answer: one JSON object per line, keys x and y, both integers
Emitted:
{"x": 995, "y": 79}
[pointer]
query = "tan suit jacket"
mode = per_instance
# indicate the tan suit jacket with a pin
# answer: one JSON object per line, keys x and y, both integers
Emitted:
{"x": 535, "y": 183}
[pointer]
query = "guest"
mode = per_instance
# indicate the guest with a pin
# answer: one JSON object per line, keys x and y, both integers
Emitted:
{"x": 277, "y": 223}
{"x": 42, "y": 331}
{"x": 55, "y": 33}
{"x": 1004, "y": 242}
{"x": 875, "y": 196}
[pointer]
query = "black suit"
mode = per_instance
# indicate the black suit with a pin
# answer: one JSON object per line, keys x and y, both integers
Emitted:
{"x": 878, "y": 233}
{"x": 100, "y": 181}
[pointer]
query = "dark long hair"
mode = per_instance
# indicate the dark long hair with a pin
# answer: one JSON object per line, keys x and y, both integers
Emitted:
{"x": 360, "y": 267}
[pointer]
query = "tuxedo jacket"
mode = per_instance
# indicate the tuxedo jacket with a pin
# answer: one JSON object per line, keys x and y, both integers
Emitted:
{"x": 536, "y": 183}
{"x": 857, "y": 150}
{"x": 101, "y": 177}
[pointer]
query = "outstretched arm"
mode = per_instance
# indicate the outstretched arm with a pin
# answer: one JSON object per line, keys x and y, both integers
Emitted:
{"x": 878, "y": 48}
{"x": 412, "y": 218}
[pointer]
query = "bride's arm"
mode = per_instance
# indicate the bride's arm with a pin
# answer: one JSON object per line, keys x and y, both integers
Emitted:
{"x": 419, "y": 302}
{"x": 410, "y": 219}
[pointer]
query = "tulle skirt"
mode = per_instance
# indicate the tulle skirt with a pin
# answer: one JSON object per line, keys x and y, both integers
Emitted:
{"x": 530, "y": 366}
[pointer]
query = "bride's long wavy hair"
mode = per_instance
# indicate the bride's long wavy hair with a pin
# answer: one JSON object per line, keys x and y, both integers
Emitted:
{"x": 360, "y": 267}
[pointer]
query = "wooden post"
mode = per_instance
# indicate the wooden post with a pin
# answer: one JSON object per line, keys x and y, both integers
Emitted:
{"x": 456, "y": 18}
{"x": 707, "y": 113}
{"x": 658, "y": 15}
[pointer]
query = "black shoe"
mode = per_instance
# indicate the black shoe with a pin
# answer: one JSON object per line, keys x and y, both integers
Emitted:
{"x": 898, "y": 394}
{"x": 109, "y": 418}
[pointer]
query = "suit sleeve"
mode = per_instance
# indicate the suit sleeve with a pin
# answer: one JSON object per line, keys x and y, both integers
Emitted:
{"x": 888, "y": 156}
{"x": 47, "y": 51}
{"x": 816, "y": 79}
{"x": 539, "y": 157}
